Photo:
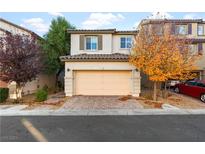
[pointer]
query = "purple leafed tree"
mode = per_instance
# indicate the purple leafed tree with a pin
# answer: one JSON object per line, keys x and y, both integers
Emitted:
{"x": 20, "y": 59}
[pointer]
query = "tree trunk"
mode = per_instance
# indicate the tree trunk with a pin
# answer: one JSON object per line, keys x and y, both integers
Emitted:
{"x": 165, "y": 89}
{"x": 56, "y": 79}
{"x": 155, "y": 91}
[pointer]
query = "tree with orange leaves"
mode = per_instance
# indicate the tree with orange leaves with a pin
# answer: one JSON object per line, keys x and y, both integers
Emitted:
{"x": 162, "y": 56}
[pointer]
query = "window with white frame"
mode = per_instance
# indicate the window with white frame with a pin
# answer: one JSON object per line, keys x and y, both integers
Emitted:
{"x": 125, "y": 42}
{"x": 91, "y": 43}
{"x": 200, "y": 29}
{"x": 181, "y": 29}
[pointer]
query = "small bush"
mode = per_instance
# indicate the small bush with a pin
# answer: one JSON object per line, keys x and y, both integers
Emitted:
{"x": 4, "y": 94}
{"x": 41, "y": 95}
{"x": 148, "y": 95}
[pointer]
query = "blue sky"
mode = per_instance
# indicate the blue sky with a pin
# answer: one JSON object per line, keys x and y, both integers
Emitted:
{"x": 39, "y": 22}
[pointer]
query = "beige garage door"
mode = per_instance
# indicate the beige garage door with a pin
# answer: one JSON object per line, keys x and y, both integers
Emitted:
{"x": 102, "y": 83}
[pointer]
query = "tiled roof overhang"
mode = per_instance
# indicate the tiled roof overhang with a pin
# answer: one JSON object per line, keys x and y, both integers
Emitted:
{"x": 197, "y": 40}
{"x": 19, "y": 27}
{"x": 180, "y": 21}
{"x": 170, "y": 21}
{"x": 100, "y": 31}
{"x": 115, "y": 57}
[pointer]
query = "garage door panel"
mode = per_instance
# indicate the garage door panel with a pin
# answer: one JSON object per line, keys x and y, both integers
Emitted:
{"x": 102, "y": 82}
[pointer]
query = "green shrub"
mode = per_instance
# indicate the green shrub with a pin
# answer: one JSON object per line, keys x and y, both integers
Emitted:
{"x": 4, "y": 94}
{"x": 41, "y": 95}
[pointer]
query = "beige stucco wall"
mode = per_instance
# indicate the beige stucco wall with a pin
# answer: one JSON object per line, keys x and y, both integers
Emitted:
{"x": 106, "y": 49}
{"x": 1, "y": 33}
{"x": 12, "y": 28}
{"x": 111, "y": 44}
{"x": 70, "y": 67}
{"x": 194, "y": 31}
{"x": 33, "y": 86}
{"x": 201, "y": 62}
{"x": 116, "y": 44}
{"x": 40, "y": 82}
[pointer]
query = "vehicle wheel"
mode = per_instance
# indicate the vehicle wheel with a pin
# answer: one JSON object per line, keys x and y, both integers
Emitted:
{"x": 202, "y": 98}
{"x": 176, "y": 90}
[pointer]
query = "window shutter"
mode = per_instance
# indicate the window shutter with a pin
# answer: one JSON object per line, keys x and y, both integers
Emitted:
{"x": 100, "y": 42}
{"x": 81, "y": 42}
{"x": 189, "y": 28}
{"x": 173, "y": 29}
{"x": 200, "y": 48}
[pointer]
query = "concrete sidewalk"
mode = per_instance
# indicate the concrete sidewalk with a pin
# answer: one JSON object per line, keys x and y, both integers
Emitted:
{"x": 20, "y": 111}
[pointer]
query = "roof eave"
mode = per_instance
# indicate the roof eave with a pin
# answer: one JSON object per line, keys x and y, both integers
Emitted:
{"x": 19, "y": 27}
{"x": 102, "y": 31}
{"x": 94, "y": 60}
{"x": 94, "y": 31}
{"x": 127, "y": 33}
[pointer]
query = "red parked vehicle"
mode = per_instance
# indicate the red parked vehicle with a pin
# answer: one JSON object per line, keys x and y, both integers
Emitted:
{"x": 194, "y": 88}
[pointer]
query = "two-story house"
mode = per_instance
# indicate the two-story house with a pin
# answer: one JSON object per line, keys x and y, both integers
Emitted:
{"x": 190, "y": 29}
{"x": 98, "y": 63}
{"x": 42, "y": 79}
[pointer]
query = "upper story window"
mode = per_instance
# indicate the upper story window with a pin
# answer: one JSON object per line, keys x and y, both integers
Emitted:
{"x": 125, "y": 42}
{"x": 157, "y": 28}
{"x": 181, "y": 29}
{"x": 200, "y": 29}
{"x": 91, "y": 43}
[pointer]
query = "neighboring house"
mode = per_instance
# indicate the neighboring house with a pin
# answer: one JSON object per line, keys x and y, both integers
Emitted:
{"x": 191, "y": 29}
{"x": 42, "y": 79}
{"x": 98, "y": 64}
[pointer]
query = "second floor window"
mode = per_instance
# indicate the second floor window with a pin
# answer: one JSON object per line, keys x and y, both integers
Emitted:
{"x": 157, "y": 28}
{"x": 181, "y": 29}
{"x": 91, "y": 43}
{"x": 125, "y": 42}
{"x": 200, "y": 29}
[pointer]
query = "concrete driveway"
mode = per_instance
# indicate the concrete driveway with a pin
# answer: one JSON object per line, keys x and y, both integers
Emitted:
{"x": 101, "y": 102}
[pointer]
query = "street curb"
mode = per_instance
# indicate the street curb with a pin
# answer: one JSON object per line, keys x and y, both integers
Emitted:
{"x": 123, "y": 112}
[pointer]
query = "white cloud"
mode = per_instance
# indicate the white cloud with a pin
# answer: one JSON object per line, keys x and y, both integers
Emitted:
{"x": 191, "y": 16}
{"x": 160, "y": 15}
{"x": 37, "y": 23}
{"x": 56, "y": 14}
{"x": 98, "y": 20}
{"x": 22, "y": 25}
{"x": 136, "y": 24}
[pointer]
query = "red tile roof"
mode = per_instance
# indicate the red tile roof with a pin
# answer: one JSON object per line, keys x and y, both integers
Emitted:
{"x": 96, "y": 57}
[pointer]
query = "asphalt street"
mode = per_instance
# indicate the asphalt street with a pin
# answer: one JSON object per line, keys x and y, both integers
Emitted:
{"x": 141, "y": 128}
